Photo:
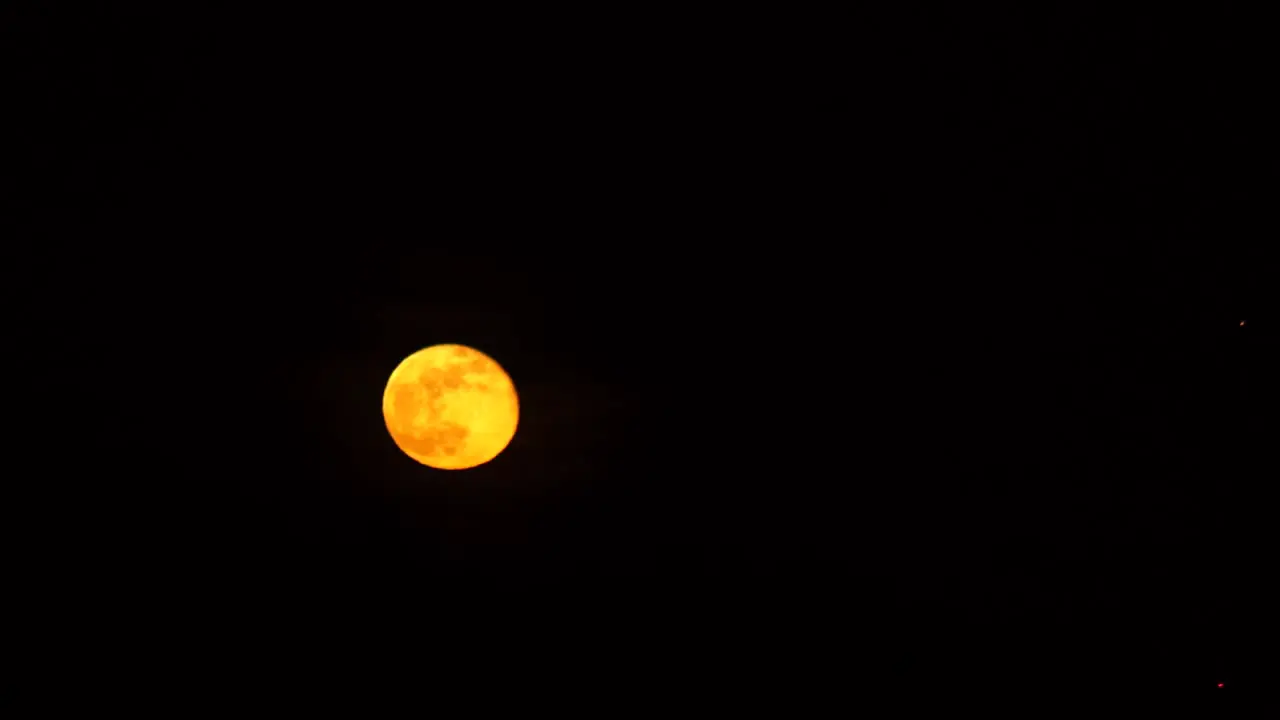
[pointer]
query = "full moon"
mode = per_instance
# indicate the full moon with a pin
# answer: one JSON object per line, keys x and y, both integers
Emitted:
{"x": 450, "y": 407}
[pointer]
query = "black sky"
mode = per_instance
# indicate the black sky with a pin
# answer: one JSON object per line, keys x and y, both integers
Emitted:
{"x": 876, "y": 357}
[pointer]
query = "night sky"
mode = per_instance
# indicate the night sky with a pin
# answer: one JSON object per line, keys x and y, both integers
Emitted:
{"x": 859, "y": 362}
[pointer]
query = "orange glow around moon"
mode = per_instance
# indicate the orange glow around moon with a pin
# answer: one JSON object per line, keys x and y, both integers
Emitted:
{"x": 450, "y": 407}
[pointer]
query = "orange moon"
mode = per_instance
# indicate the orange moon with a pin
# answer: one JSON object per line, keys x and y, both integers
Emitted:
{"x": 450, "y": 407}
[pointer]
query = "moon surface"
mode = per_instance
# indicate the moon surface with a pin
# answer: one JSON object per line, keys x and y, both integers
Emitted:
{"x": 450, "y": 407}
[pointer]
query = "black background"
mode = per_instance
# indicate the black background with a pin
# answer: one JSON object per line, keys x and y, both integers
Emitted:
{"x": 861, "y": 359}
